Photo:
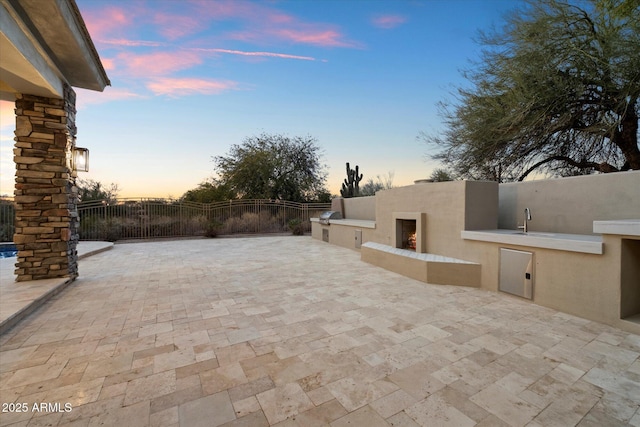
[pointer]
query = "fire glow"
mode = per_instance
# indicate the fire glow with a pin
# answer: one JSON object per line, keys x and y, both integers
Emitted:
{"x": 411, "y": 241}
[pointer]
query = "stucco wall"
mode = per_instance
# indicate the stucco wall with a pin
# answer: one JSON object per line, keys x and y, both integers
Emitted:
{"x": 342, "y": 235}
{"x": 450, "y": 208}
{"x": 360, "y": 208}
{"x": 570, "y": 205}
{"x": 585, "y": 285}
{"x": 582, "y": 284}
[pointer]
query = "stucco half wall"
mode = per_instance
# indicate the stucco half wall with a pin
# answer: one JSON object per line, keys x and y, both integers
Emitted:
{"x": 598, "y": 286}
{"x": 570, "y": 205}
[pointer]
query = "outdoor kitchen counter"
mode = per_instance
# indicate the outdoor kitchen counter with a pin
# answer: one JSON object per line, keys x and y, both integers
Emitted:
{"x": 625, "y": 227}
{"x": 563, "y": 242}
{"x": 350, "y": 222}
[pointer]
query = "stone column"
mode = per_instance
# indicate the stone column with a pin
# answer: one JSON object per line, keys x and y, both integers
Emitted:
{"x": 46, "y": 197}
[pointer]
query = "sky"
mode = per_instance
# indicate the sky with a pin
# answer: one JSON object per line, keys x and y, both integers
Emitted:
{"x": 191, "y": 78}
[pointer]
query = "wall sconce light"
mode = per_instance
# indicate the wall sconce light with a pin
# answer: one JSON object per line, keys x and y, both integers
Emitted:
{"x": 80, "y": 159}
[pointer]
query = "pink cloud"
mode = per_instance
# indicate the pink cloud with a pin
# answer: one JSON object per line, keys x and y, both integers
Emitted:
{"x": 280, "y": 18}
{"x": 225, "y": 9}
{"x": 315, "y": 35}
{"x": 158, "y": 63}
{"x": 108, "y": 63}
{"x": 90, "y": 97}
{"x": 144, "y": 59}
{"x": 174, "y": 26}
{"x": 106, "y": 21}
{"x": 132, "y": 43}
{"x": 264, "y": 23}
{"x": 318, "y": 37}
{"x": 388, "y": 21}
{"x": 7, "y": 115}
{"x": 189, "y": 86}
{"x": 257, "y": 22}
{"x": 193, "y": 16}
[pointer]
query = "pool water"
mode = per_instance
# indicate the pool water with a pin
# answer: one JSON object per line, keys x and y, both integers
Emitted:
{"x": 8, "y": 250}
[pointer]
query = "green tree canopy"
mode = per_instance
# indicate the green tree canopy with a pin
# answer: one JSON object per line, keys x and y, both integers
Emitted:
{"x": 380, "y": 183}
{"x": 557, "y": 91}
{"x": 209, "y": 192}
{"x": 271, "y": 166}
{"x": 91, "y": 190}
{"x": 441, "y": 175}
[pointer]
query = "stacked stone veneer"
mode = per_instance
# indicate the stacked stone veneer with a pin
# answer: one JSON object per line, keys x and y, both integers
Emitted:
{"x": 46, "y": 233}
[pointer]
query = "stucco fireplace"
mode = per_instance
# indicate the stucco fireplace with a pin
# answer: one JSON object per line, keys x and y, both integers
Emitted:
{"x": 409, "y": 231}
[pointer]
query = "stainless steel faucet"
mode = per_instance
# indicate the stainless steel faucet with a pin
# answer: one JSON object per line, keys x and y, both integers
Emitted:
{"x": 527, "y": 218}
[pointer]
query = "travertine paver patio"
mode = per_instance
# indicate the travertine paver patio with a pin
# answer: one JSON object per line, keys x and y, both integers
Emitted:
{"x": 291, "y": 331}
{"x": 18, "y": 299}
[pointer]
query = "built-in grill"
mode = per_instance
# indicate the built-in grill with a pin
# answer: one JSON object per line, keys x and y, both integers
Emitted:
{"x": 329, "y": 215}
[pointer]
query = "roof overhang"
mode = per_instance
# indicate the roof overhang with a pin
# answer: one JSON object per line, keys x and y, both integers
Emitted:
{"x": 44, "y": 44}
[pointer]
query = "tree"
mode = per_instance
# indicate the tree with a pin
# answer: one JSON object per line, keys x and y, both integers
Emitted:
{"x": 274, "y": 167}
{"x": 380, "y": 183}
{"x": 441, "y": 175}
{"x": 557, "y": 92}
{"x": 208, "y": 192}
{"x": 90, "y": 190}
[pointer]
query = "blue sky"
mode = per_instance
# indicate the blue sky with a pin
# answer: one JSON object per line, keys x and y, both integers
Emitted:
{"x": 191, "y": 78}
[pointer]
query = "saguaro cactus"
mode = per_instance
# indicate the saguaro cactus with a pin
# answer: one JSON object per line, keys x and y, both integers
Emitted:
{"x": 351, "y": 184}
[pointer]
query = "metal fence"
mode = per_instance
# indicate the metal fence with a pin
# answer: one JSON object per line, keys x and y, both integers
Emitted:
{"x": 7, "y": 219}
{"x": 153, "y": 218}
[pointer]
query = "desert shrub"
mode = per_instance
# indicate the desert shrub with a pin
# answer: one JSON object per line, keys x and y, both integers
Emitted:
{"x": 296, "y": 226}
{"x": 232, "y": 225}
{"x": 212, "y": 228}
{"x": 247, "y": 223}
{"x": 96, "y": 228}
{"x": 251, "y": 222}
{"x": 7, "y": 216}
{"x": 109, "y": 230}
{"x": 6, "y": 232}
{"x": 270, "y": 223}
{"x": 196, "y": 225}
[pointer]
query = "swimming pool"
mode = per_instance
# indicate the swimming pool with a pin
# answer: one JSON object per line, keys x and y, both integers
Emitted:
{"x": 8, "y": 250}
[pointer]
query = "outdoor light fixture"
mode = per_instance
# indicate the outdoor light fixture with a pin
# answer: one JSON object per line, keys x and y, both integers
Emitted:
{"x": 80, "y": 159}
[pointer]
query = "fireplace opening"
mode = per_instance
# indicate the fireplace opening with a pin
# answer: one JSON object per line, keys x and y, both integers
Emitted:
{"x": 407, "y": 234}
{"x": 408, "y": 231}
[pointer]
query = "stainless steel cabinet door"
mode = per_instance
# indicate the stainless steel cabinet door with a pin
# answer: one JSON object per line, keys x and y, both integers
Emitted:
{"x": 516, "y": 272}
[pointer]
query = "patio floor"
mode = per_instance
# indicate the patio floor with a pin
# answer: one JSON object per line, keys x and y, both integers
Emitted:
{"x": 18, "y": 300}
{"x": 291, "y": 331}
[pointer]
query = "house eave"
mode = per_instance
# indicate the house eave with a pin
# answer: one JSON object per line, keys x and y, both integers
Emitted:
{"x": 44, "y": 45}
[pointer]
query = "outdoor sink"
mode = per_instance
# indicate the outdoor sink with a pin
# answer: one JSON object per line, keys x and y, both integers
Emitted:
{"x": 529, "y": 233}
{"x": 535, "y": 234}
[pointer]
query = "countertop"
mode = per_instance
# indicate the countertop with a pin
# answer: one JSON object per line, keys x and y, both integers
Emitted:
{"x": 563, "y": 242}
{"x": 626, "y": 227}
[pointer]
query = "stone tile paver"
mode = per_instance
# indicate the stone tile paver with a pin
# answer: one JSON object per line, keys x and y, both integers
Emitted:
{"x": 209, "y": 411}
{"x": 18, "y": 299}
{"x": 290, "y": 331}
